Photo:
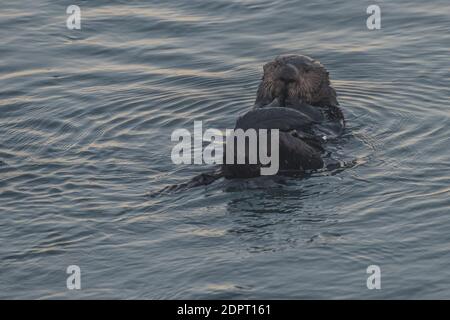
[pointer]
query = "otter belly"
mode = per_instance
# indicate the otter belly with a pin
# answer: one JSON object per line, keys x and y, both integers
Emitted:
{"x": 302, "y": 135}
{"x": 295, "y": 156}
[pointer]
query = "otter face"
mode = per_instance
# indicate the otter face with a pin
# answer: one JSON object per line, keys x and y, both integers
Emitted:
{"x": 295, "y": 79}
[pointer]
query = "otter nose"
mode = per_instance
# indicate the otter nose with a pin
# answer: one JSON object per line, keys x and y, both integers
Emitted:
{"x": 288, "y": 73}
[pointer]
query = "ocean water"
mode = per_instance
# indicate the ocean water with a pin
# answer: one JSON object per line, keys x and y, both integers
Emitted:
{"x": 85, "y": 123}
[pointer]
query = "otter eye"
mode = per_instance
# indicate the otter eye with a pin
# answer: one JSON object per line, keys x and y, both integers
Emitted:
{"x": 289, "y": 81}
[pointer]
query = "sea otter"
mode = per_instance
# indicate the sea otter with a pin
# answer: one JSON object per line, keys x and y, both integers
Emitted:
{"x": 295, "y": 97}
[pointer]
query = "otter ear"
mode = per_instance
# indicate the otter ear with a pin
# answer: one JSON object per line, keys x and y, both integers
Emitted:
{"x": 268, "y": 66}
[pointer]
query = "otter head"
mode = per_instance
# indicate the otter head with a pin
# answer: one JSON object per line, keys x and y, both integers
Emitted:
{"x": 295, "y": 79}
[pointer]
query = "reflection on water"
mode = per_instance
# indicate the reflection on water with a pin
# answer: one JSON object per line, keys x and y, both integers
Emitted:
{"x": 86, "y": 118}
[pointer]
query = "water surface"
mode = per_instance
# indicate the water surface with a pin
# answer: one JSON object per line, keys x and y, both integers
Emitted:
{"x": 86, "y": 119}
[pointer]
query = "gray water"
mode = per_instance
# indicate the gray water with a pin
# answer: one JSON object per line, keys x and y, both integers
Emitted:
{"x": 86, "y": 119}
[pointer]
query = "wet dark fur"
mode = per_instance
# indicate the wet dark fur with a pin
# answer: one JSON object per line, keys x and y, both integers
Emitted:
{"x": 294, "y": 96}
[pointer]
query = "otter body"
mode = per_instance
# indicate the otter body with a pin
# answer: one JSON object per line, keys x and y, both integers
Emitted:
{"x": 295, "y": 97}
